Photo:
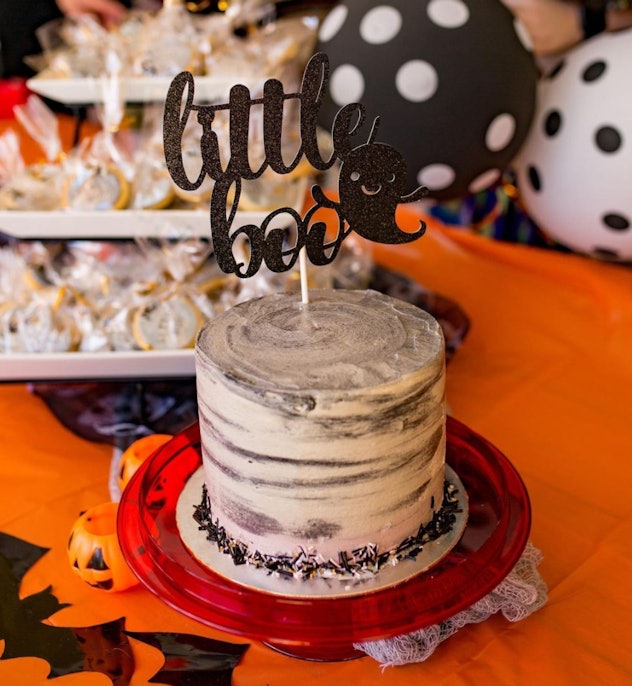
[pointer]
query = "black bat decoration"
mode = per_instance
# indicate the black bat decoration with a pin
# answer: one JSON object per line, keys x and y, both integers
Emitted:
{"x": 189, "y": 660}
{"x": 193, "y": 660}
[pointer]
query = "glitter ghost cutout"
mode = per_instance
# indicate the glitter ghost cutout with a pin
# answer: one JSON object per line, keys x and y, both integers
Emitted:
{"x": 371, "y": 181}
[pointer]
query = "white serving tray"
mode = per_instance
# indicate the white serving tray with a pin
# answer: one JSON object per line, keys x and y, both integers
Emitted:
{"x": 121, "y": 224}
{"x": 73, "y": 224}
{"x": 117, "y": 224}
{"x": 137, "y": 364}
{"x": 89, "y": 90}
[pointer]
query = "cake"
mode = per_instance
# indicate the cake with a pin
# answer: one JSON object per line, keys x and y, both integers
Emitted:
{"x": 322, "y": 431}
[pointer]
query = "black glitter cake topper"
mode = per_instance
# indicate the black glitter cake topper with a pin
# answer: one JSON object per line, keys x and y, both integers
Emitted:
{"x": 370, "y": 183}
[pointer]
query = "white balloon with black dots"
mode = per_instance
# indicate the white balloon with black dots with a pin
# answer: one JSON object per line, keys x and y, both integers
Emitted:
{"x": 574, "y": 171}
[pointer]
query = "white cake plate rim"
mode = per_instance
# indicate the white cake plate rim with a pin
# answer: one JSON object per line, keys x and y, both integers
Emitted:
{"x": 207, "y": 554}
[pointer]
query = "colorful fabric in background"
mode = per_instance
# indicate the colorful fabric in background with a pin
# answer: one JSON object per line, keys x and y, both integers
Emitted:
{"x": 495, "y": 213}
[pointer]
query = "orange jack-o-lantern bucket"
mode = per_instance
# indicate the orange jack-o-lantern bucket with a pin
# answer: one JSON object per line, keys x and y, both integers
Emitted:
{"x": 94, "y": 551}
{"x": 136, "y": 454}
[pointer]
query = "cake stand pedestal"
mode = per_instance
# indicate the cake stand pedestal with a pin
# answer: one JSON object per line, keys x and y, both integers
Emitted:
{"x": 315, "y": 628}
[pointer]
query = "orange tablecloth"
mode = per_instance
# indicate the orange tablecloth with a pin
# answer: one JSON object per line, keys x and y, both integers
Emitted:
{"x": 545, "y": 373}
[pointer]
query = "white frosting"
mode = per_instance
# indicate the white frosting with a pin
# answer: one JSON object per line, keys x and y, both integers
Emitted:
{"x": 323, "y": 424}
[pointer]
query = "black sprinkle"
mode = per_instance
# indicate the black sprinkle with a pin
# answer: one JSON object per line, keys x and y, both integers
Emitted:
{"x": 306, "y": 565}
{"x": 344, "y": 561}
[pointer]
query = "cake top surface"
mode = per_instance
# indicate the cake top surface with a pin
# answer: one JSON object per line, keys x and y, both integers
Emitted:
{"x": 340, "y": 340}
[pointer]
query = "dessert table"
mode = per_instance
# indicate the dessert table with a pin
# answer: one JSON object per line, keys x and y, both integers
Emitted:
{"x": 545, "y": 374}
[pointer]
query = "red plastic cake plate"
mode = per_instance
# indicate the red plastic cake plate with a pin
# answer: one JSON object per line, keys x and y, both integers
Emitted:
{"x": 496, "y": 533}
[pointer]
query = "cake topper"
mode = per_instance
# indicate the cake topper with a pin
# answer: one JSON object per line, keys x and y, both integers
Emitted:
{"x": 371, "y": 176}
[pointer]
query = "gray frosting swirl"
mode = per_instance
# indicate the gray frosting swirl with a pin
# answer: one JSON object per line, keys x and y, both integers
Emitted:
{"x": 340, "y": 340}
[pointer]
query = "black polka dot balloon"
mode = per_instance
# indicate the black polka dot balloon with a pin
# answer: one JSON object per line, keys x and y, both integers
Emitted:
{"x": 452, "y": 81}
{"x": 575, "y": 169}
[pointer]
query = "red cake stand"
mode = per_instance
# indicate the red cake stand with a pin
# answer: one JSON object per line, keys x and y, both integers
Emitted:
{"x": 496, "y": 533}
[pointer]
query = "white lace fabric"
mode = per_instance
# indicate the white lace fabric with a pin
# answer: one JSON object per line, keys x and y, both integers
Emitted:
{"x": 521, "y": 593}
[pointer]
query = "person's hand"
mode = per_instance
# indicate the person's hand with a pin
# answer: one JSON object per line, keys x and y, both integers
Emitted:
{"x": 109, "y": 12}
{"x": 553, "y": 25}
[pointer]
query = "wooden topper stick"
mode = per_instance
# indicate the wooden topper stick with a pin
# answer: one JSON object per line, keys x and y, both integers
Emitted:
{"x": 302, "y": 266}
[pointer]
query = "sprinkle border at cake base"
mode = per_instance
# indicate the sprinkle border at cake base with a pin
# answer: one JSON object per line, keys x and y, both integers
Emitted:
{"x": 305, "y": 574}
